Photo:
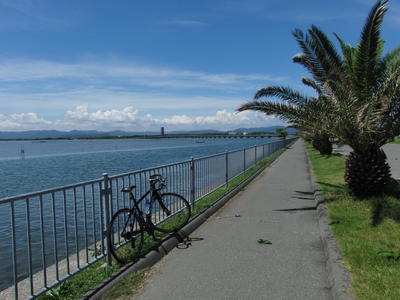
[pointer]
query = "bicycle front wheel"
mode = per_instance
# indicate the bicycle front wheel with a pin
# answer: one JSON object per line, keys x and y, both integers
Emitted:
{"x": 170, "y": 215}
{"x": 125, "y": 236}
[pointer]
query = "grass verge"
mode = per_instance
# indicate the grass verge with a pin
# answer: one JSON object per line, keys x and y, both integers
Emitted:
{"x": 371, "y": 253}
{"x": 79, "y": 284}
{"x": 396, "y": 141}
{"x": 127, "y": 286}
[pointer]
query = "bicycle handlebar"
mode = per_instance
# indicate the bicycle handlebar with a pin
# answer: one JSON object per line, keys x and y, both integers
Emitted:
{"x": 155, "y": 176}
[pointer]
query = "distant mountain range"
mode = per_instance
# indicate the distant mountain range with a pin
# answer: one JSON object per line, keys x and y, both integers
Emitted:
{"x": 44, "y": 134}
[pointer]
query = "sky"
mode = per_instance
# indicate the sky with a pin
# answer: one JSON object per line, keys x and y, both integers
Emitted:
{"x": 139, "y": 65}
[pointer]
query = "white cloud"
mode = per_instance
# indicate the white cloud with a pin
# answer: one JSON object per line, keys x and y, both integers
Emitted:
{"x": 187, "y": 22}
{"x": 112, "y": 117}
{"x": 56, "y": 103}
{"x": 129, "y": 119}
{"x": 22, "y": 121}
{"x": 122, "y": 73}
{"x": 222, "y": 118}
{"x": 50, "y": 89}
{"x": 30, "y": 15}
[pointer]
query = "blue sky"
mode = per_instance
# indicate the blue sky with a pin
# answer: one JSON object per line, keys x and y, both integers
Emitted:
{"x": 138, "y": 65}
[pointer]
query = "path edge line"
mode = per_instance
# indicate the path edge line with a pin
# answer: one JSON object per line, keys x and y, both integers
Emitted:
{"x": 338, "y": 277}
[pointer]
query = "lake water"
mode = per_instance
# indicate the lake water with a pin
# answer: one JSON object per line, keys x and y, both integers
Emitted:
{"x": 31, "y": 166}
{"x": 55, "y": 163}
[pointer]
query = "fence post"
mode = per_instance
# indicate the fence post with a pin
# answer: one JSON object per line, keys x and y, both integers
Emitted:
{"x": 226, "y": 169}
{"x": 106, "y": 196}
{"x": 192, "y": 181}
{"x": 255, "y": 154}
{"x": 263, "y": 151}
{"x": 244, "y": 160}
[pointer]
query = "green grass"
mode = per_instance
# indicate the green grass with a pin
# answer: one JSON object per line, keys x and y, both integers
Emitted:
{"x": 127, "y": 286}
{"x": 79, "y": 284}
{"x": 371, "y": 253}
{"x": 396, "y": 141}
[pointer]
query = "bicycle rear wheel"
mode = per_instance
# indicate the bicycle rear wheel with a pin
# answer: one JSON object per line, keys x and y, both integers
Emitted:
{"x": 172, "y": 214}
{"x": 125, "y": 236}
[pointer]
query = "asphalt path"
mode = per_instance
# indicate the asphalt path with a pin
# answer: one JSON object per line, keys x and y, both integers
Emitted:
{"x": 225, "y": 260}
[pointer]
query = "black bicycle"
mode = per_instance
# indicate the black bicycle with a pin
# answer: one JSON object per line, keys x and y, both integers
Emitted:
{"x": 167, "y": 212}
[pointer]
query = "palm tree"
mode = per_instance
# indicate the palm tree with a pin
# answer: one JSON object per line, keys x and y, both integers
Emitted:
{"x": 320, "y": 140}
{"x": 305, "y": 113}
{"x": 359, "y": 97}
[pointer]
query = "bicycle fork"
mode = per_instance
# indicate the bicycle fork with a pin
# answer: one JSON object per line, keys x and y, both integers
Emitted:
{"x": 150, "y": 228}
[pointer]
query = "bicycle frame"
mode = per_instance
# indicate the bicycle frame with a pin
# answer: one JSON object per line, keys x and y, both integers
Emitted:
{"x": 145, "y": 219}
{"x": 131, "y": 223}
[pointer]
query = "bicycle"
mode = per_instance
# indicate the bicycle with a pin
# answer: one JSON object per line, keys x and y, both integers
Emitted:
{"x": 167, "y": 212}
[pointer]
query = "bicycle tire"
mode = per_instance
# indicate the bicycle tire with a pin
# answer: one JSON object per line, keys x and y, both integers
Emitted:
{"x": 180, "y": 213}
{"x": 129, "y": 244}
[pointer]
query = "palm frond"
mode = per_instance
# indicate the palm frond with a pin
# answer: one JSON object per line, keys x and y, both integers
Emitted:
{"x": 368, "y": 51}
{"x": 302, "y": 59}
{"x": 313, "y": 84}
{"x": 309, "y": 60}
{"x": 284, "y": 111}
{"x": 283, "y": 93}
{"x": 391, "y": 57}
{"x": 348, "y": 54}
{"x": 326, "y": 53}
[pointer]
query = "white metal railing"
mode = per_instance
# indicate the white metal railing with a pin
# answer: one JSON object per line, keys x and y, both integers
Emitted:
{"x": 52, "y": 234}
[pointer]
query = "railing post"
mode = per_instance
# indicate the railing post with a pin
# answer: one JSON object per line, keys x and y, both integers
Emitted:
{"x": 14, "y": 251}
{"x": 263, "y": 155}
{"x": 226, "y": 169}
{"x": 106, "y": 191}
{"x": 244, "y": 160}
{"x": 192, "y": 182}
{"x": 255, "y": 154}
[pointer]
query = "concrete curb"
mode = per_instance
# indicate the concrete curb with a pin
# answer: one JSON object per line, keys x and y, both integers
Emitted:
{"x": 338, "y": 277}
{"x": 157, "y": 253}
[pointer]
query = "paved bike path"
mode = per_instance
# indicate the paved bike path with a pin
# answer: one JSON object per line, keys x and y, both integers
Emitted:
{"x": 225, "y": 261}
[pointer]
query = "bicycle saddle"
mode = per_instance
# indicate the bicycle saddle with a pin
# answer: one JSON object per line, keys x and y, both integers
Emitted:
{"x": 128, "y": 189}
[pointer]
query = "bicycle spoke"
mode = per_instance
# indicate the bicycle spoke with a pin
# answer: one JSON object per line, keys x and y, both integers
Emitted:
{"x": 124, "y": 230}
{"x": 170, "y": 213}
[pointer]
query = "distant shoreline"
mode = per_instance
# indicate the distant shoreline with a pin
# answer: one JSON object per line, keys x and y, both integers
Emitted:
{"x": 205, "y": 136}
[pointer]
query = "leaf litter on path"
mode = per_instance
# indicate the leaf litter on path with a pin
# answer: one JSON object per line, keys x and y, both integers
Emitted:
{"x": 264, "y": 242}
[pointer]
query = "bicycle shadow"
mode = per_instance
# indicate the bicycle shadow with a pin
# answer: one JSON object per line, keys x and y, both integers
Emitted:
{"x": 185, "y": 243}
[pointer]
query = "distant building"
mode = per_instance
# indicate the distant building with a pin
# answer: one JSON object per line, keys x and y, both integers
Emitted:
{"x": 232, "y": 133}
{"x": 162, "y": 131}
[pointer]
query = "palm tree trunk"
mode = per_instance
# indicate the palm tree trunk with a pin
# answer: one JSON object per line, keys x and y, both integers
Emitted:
{"x": 322, "y": 143}
{"x": 367, "y": 173}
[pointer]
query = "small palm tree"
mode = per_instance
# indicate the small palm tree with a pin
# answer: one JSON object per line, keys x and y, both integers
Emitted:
{"x": 304, "y": 113}
{"x": 359, "y": 97}
{"x": 320, "y": 140}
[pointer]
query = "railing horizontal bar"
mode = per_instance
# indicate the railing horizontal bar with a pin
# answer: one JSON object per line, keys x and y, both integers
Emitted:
{"x": 181, "y": 162}
{"x": 61, "y": 188}
{"x": 48, "y": 191}
{"x": 148, "y": 169}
